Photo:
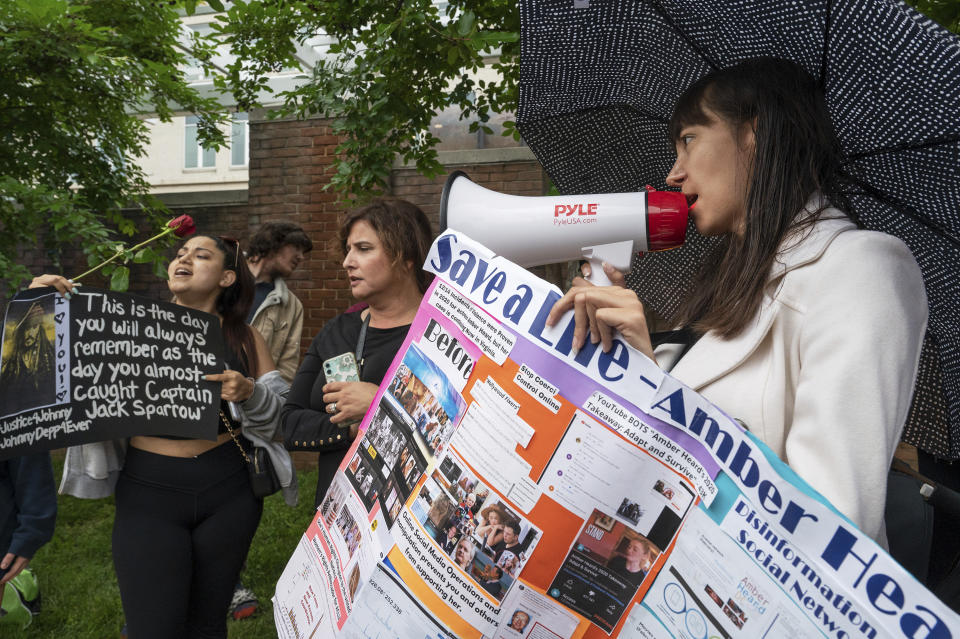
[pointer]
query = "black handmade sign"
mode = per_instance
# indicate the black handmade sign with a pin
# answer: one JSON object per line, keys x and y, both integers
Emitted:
{"x": 105, "y": 365}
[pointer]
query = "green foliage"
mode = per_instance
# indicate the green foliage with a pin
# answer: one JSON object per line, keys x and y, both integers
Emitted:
{"x": 944, "y": 12}
{"x": 74, "y": 74}
{"x": 393, "y": 66}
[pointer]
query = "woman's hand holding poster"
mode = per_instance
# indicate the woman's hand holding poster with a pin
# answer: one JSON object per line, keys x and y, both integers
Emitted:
{"x": 505, "y": 485}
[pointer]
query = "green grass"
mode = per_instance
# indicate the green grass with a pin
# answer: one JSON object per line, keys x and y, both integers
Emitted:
{"x": 75, "y": 570}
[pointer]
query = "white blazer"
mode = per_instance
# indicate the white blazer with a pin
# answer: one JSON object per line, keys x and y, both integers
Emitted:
{"x": 824, "y": 374}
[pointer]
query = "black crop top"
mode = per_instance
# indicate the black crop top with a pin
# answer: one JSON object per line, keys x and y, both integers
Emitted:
{"x": 237, "y": 363}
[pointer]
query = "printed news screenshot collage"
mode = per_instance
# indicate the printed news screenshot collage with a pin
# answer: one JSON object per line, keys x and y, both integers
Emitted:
{"x": 466, "y": 537}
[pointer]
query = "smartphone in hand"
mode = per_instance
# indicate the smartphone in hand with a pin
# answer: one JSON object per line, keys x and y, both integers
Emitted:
{"x": 341, "y": 368}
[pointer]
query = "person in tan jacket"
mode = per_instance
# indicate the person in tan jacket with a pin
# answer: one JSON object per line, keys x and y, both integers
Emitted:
{"x": 274, "y": 253}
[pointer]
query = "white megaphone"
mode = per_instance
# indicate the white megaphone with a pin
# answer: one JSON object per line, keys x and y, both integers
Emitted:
{"x": 531, "y": 231}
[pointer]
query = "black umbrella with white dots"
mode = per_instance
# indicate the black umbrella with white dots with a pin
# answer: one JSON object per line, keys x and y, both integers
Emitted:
{"x": 599, "y": 79}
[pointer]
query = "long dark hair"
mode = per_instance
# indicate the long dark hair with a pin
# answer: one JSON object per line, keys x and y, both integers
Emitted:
{"x": 402, "y": 227}
{"x": 797, "y": 154}
{"x": 234, "y": 302}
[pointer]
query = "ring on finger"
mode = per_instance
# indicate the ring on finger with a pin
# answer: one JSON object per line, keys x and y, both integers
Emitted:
{"x": 332, "y": 407}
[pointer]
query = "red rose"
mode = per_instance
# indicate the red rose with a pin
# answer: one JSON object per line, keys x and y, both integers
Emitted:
{"x": 182, "y": 226}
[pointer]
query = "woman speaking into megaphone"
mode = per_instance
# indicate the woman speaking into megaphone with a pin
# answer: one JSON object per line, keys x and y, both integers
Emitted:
{"x": 802, "y": 326}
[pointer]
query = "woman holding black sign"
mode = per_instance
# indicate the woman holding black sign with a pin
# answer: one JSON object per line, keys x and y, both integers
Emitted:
{"x": 384, "y": 245}
{"x": 801, "y": 325}
{"x": 186, "y": 513}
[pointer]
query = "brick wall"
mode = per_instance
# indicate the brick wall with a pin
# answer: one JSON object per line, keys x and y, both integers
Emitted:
{"x": 288, "y": 167}
{"x": 512, "y": 178}
{"x": 288, "y": 164}
{"x": 289, "y": 161}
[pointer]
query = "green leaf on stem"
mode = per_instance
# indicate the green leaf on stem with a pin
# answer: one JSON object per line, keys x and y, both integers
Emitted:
{"x": 120, "y": 279}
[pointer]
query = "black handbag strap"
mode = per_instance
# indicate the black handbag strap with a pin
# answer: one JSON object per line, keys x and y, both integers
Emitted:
{"x": 360, "y": 340}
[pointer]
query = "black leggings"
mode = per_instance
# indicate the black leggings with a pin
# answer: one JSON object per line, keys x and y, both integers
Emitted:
{"x": 182, "y": 529}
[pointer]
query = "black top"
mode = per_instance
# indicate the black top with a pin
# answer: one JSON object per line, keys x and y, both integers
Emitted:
{"x": 260, "y": 292}
{"x": 618, "y": 564}
{"x": 501, "y": 546}
{"x": 685, "y": 336}
{"x": 306, "y": 423}
{"x": 493, "y": 587}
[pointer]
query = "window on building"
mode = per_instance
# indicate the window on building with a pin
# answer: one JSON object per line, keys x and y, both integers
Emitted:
{"x": 455, "y": 134}
{"x": 193, "y": 71}
{"x": 196, "y": 156}
{"x": 239, "y": 134}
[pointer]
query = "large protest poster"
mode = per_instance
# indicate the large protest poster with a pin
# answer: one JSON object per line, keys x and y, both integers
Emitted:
{"x": 532, "y": 490}
{"x": 575, "y": 494}
{"x": 104, "y": 365}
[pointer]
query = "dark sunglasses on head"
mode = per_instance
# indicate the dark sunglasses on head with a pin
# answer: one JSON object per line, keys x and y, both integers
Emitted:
{"x": 236, "y": 248}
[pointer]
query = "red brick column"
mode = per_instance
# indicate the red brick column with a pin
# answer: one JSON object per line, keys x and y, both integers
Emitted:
{"x": 289, "y": 164}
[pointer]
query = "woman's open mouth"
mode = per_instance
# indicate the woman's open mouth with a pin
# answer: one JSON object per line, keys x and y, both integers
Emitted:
{"x": 691, "y": 200}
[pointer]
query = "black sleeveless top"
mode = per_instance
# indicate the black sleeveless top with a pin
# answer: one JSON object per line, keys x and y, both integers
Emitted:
{"x": 236, "y": 362}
